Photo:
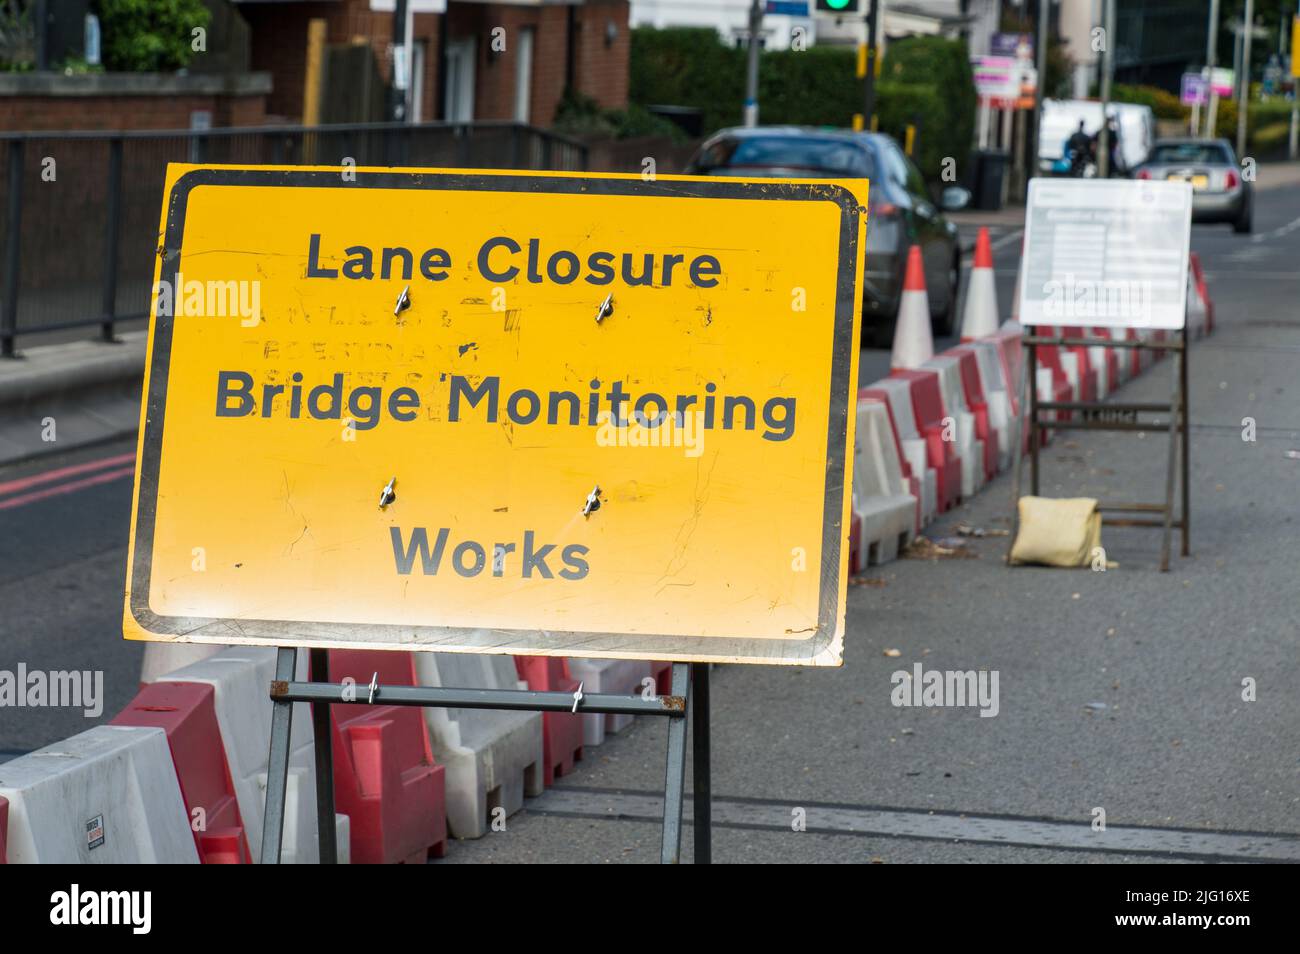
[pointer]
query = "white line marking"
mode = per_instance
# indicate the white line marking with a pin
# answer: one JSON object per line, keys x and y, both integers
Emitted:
{"x": 1242, "y": 846}
{"x": 1006, "y": 239}
{"x": 1278, "y": 232}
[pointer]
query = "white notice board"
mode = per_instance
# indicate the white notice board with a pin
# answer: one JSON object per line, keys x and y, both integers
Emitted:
{"x": 1106, "y": 253}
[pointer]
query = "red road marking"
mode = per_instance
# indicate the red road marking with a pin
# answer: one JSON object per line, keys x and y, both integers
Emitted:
{"x": 58, "y": 474}
{"x": 55, "y": 491}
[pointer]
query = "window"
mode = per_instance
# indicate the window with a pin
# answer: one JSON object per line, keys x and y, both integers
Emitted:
{"x": 524, "y": 75}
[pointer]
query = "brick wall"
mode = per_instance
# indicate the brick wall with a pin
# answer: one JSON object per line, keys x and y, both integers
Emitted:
{"x": 601, "y": 68}
{"x": 603, "y": 65}
{"x": 39, "y": 102}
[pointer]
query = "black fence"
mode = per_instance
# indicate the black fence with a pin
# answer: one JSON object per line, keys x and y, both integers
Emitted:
{"x": 81, "y": 210}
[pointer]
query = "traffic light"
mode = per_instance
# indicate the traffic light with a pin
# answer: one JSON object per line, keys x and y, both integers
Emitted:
{"x": 840, "y": 8}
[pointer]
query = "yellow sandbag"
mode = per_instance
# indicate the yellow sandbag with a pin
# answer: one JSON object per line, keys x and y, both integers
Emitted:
{"x": 1057, "y": 532}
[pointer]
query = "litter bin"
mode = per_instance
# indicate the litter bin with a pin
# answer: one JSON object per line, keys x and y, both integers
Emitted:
{"x": 989, "y": 186}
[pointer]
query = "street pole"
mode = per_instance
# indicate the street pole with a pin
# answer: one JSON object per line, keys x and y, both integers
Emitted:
{"x": 869, "y": 81}
{"x": 1107, "y": 77}
{"x": 1295, "y": 92}
{"x": 1040, "y": 55}
{"x": 1243, "y": 90}
{"x": 1211, "y": 61}
{"x": 400, "y": 75}
{"x": 751, "y": 66}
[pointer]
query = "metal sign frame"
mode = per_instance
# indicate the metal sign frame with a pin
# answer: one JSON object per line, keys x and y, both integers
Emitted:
{"x": 1098, "y": 416}
{"x": 690, "y": 697}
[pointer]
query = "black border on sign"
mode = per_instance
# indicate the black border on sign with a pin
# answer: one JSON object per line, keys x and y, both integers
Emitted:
{"x": 453, "y": 639}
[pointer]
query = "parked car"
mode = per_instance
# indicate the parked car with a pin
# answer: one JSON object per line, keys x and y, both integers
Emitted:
{"x": 1220, "y": 193}
{"x": 901, "y": 211}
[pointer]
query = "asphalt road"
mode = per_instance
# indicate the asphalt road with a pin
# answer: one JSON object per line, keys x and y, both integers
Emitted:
{"x": 1118, "y": 690}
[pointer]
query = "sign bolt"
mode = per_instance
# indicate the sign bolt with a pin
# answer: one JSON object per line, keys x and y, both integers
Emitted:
{"x": 606, "y": 308}
{"x": 593, "y": 502}
{"x": 403, "y": 301}
{"x": 387, "y": 496}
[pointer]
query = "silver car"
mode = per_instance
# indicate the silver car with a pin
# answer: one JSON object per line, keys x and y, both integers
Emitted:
{"x": 1220, "y": 192}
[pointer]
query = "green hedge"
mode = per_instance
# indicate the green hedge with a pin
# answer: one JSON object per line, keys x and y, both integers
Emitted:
{"x": 688, "y": 66}
{"x": 924, "y": 80}
{"x": 927, "y": 81}
{"x": 1163, "y": 103}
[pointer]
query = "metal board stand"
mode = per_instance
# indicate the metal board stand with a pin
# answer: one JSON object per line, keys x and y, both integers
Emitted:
{"x": 690, "y": 697}
{"x": 1096, "y": 416}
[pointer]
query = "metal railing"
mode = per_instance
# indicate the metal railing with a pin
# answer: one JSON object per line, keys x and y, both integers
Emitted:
{"x": 81, "y": 209}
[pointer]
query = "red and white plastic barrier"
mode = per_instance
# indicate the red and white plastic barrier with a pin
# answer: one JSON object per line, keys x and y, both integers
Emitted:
{"x": 187, "y": 714}
{"x": 108, "y": 795}
{"x": 886, "y": 510}
{"x": 385, "y": 778}
{"x": 492, "y": 757}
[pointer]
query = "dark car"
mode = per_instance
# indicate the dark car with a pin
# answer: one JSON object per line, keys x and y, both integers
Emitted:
{"x": 901, "y": 212}
{"x": 1220, "y": 193}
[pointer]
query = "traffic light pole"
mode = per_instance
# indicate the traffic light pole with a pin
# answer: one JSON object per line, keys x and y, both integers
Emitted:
{"x": 869, "y": 81}
{"x": 751, "y": 66}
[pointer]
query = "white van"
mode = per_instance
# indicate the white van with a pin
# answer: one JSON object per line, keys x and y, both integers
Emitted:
{"x": 1137, "y": 131}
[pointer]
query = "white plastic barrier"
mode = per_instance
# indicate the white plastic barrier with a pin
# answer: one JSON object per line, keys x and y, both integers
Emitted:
{"x": 881, "y": 500}
{"x": 106, "y": 796}
{"x": 492, "y": 757}
{"x": 162, "y": 658}
{"x": 969, "y": 447}
{"x": 996, "y": 396}
{"x": 1046, "y": 392}
{"x": 1070, "y": 364}
{"x": 241, "y": 679}
{"x": 1126, "y": 356}
{"x": 622, "y": 677}
{"x": 914, "y": 451}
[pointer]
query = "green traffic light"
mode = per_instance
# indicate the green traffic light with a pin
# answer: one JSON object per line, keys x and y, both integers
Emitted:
{"x": 838, "y": 4}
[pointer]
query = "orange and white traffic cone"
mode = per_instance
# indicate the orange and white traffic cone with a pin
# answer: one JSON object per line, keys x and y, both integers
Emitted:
{"x": 913, "y": 341}
{"x": 980, "y": 316}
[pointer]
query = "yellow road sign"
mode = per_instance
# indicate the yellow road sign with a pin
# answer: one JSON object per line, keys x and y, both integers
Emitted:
{"x": 500, "y": 412}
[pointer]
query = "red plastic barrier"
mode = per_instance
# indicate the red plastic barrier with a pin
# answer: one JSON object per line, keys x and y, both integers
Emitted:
{"x": 1009, "y": 351}
{"x": 973, "y": 389}
{"x": 855, "y": 543}
{"x": 1112, "y": 360}
{"x": 185, "y": 711}
{"x": 1087, "y": 373}
{"x": 4, "y": 828}
{"x": 927, "y": 406}
{"x": 913, "y": 480}
{"x": 1198, "y": 274}
{"x": 561, "y": 731}
{"x": 663, "y": 675}
{"x": 385, "y": 778}
{"x": 1162, "y": 337}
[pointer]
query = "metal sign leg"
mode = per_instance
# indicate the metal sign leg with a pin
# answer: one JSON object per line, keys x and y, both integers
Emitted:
{"x": 1187, "y": 447}
{"x": 675, "y": 780}
{"x": 1175, "y": 429}
{"x": 324, "y": 752}
{"x": 277, "y": 763}
{"x": 703, "y": 789}
{"x": 1024, "y": 414}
